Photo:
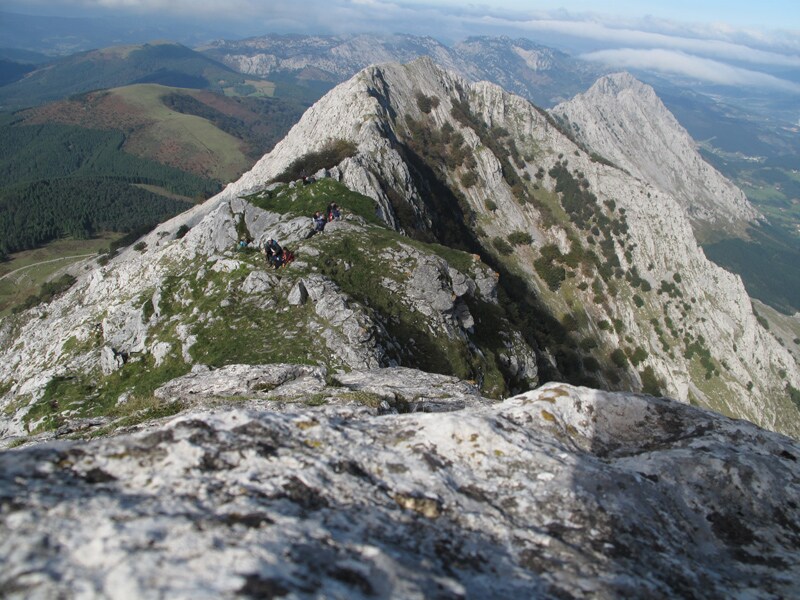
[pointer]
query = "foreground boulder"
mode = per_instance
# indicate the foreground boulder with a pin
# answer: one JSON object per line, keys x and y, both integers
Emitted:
{"x": 559, "y": 492}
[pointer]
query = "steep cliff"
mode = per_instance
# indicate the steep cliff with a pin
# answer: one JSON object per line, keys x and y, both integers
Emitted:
{"x": 627, "y": 297}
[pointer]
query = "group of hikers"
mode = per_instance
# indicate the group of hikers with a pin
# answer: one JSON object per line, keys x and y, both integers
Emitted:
{"x": 278, "y": 256}
{"x": 332, "y": 213}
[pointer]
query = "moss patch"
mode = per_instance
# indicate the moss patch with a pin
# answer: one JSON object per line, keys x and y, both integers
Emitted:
{"x": 305, "y": 200}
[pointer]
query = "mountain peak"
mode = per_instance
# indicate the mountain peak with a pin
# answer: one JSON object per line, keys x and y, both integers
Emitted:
{"x": 624, "y": 120}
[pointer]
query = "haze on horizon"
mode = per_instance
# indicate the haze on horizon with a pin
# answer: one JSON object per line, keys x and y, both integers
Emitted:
{"x": 734, "y": 43}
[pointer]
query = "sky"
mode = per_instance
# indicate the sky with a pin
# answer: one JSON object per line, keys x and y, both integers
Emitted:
{"x": 734, "y": 42}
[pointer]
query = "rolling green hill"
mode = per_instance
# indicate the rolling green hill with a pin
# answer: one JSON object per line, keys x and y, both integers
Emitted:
{"x": 159, "y": 62}
{"x": 122, "y": 159}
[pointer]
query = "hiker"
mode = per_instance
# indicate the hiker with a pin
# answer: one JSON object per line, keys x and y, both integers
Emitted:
{"x": 319, "y": 221}
{"x": 333, "y": 212}
{"x": 273, "y": 253}
{"x": 286, "y": 257}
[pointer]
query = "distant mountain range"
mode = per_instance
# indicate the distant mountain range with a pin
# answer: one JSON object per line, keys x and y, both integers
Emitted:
{"x": 543, "y": 75}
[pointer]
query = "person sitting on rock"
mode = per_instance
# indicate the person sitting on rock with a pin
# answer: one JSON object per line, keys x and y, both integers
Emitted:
{"x": 273, "y": 252}
{"x": 319, "y": 221}
{"x": 286, "y": 257}
{"x": 333, "y": 212}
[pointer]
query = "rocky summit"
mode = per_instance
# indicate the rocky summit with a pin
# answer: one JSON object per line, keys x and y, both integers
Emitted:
{"x": 562, "y": 492}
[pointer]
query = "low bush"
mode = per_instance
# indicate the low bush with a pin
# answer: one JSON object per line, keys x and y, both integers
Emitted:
{"x": 520, "y": 238}
{"x": 334, "y": 152}
{"x": 502, "y": 246}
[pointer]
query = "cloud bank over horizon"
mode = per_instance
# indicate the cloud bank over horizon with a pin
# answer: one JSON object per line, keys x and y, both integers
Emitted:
{"x": 715, "y": 53}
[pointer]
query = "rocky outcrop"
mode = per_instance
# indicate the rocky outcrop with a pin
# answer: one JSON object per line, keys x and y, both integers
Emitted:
{"x": 624, "y": 121}
{"x": 558, "y": 492}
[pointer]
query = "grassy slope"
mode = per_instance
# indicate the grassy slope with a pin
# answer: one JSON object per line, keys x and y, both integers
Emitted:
{"x": 166, "y": 63}
{"x": 268, "y": 330}
{"x": 180, "y": 140}
{"x": 35, "y": 267}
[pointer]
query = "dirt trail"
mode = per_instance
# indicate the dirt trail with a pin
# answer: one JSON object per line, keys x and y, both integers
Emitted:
{"x": 43, "y": 262}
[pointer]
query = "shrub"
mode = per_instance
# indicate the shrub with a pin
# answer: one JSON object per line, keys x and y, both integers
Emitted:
{"x": 182, "y": 231}
{"x": 638, "y": 355}
{"x": 618, "y": 358}
{"x": 604, "y": 325}
{"x": 426, "y": 103}
{"x": 551, "y": 273}
{"x": 334, "y": 152}
{"x": 520, "y": 238}
{"x": 637, "y": 300}
{"x": 140, "y": 246}
{"x": 491, "y": 205}
{"x": 650, "y": 383}
{"x": 469, "y": 179}
{"x": 502, "y": 246}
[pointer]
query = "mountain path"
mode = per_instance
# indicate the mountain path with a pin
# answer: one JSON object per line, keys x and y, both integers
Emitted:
{"x": 44, "y": 262}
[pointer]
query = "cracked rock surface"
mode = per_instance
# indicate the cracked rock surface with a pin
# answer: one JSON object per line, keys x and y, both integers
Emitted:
{"x": 558, "y": 492}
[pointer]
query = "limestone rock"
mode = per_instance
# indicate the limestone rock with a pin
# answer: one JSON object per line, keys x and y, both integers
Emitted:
{"x": 624, "y": 121}
{"x": 110, "y": 360}
{"x": 298, "y": 294}
{"x": 235, "y": 380}
{"x": 559, "y": 492}
{"x": 427, "y": 392}
{"x": 258, "y": 282}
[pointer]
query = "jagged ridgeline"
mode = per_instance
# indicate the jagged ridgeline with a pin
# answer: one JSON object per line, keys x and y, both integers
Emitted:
{"x": 479, "y": 241}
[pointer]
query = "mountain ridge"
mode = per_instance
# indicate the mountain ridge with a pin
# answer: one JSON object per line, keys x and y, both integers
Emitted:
{"x": 692, "y": 329}
{"x": 544, "y": 75}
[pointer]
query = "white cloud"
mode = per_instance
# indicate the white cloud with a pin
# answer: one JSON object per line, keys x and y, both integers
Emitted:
{"x": 680, "y": 63}
{"x": 600, "y": 32}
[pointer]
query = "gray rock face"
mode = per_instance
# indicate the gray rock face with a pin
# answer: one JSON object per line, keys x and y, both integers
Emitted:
{"x": 624, "y": 121}
{"x": 420, "y": 391}
{"x": 559, "y": 492}
{"x": 236, "y": 380}
{"x": 657, "y": 242}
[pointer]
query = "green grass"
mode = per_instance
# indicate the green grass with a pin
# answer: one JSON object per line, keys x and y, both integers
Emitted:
{"x": 191, "y": 136}
{"x": 236, "y": 328}
{"x": 306, "y": 200}
{"x": 92, "y": 395}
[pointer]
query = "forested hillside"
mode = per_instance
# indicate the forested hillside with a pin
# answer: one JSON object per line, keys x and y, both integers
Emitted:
{"x": 58, "y": 180}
